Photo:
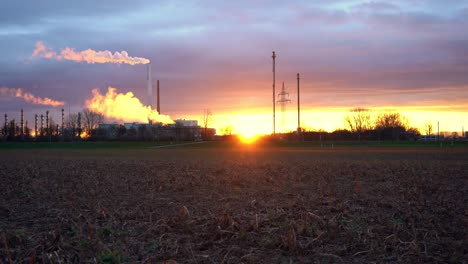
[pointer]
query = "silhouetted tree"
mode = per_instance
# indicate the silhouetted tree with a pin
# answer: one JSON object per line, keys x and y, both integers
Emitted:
{"x": 226, "y": 131}
{"x": 207, "y": 118}
{"x": 391, "y": 125}
{"x": 428, "y": 128}
{"x": 358, "y": 121}
{"x": 91, "y": 121}
{"x": 71, "y": 122}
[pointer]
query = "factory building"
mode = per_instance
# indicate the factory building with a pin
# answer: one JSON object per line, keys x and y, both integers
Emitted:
{"x": 181, "y": 130}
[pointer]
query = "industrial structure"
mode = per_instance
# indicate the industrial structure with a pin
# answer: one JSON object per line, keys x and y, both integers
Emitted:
{"x": 158, "y": 107}
{"x": 150, "y": 86}
{"x": 149, "y": 79}
{"x": 283, "y": 100}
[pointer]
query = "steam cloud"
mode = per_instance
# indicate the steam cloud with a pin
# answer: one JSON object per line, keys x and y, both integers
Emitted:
{"x": 123, "y": 107}
{"x": 88, "y": 56}
{"x": 28, "y": 97}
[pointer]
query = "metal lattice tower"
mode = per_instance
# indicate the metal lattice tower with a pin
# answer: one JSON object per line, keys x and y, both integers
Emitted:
{"x": 283, "y": 100}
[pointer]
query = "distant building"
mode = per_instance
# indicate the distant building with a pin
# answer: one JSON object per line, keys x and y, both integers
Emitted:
{"x": 108, "y": 126}
{"x": 181, "y": 130}
{"x": 430, "y": 138}
{"x": 186, "y": 123}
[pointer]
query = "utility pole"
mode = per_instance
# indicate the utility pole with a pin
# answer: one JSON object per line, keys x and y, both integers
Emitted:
{"x": 438, "y": 131}
{"x": 298, "y": 109}
{"x": 274, "y": 95}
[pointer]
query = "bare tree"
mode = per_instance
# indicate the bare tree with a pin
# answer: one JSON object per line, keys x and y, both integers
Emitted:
{"x": 207, "y": 119}
{"x": 72, "y": 121}
{"x": 428, "y": 128}
{"x": 91, "y": 120}
{"x": 358, "y": 120}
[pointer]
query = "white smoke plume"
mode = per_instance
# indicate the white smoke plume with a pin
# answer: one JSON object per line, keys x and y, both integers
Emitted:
{"x": 123, "y": 107}
{"x": 28, "y": 97}
{"x": 88, "y": 56}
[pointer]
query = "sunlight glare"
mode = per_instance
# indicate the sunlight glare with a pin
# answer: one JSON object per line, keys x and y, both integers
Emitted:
{"x": 248, "y": 138}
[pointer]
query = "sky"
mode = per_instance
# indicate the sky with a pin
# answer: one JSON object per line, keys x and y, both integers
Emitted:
{"x": 409, "y": 56}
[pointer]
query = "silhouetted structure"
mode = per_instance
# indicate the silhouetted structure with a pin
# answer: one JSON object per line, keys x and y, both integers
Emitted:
{"x": 274, "y": 94}
{"x": 158, "y": 107}
{"x": 283, "y": 100}
{"x": 298, "y": 109}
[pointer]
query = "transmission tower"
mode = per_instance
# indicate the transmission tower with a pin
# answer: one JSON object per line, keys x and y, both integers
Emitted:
{"x": 283, "y": 100}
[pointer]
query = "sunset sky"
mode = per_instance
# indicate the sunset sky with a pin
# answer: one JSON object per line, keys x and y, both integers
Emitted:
{"x": 407, "y": 55}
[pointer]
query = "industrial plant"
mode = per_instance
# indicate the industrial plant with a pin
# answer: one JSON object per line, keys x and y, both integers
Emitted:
{"x": 89, "y": 125}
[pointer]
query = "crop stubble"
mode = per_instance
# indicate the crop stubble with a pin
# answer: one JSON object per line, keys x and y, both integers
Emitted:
{"x": 233, "y": 206}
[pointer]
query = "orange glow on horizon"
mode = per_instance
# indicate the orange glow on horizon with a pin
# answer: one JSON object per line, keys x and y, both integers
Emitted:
{"x": 248, "y": 138}
{"x": 257, "y": 122}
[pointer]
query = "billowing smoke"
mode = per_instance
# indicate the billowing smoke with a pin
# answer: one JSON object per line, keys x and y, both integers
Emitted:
{"x": 123, "y": 107}
{"x": 88, "y": 56}
{"x": 28, "y": 97}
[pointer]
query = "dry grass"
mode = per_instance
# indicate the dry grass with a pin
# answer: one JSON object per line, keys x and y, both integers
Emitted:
{"x": 248, "y": 206}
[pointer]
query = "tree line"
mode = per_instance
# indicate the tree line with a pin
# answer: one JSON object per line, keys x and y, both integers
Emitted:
{"x": 383, "y": 126}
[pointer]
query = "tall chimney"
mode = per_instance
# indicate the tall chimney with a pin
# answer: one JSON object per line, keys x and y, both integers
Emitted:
{"x": 47, "y": 122}
{"x": 150, "y": 86}
{"x": 158, "y": 106}
{"x": 42, "y": 125}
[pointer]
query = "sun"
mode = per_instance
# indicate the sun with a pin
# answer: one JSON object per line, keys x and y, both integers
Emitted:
{"x": 248, "y": 138}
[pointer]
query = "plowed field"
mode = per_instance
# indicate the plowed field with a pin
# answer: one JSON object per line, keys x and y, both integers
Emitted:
{"x": 234, "y": 205}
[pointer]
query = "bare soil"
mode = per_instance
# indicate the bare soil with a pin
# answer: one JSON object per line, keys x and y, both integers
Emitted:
{"x": 234, "y": 205}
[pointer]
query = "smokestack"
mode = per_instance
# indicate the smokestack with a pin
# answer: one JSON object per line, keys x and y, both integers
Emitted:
{"x": 47, "y": 122}
{"x": 42, "y": 125}
{"x": 150, "y": 86}
{"x": 22, "y": 123}
{"x": 158, "y": 106}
